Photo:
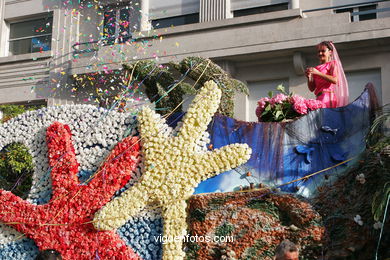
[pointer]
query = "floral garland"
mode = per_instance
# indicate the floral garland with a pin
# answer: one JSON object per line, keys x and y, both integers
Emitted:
{"x": 174, "y": 166}
{"x": 64, "y": 224}
{"x": 95, "y": 131}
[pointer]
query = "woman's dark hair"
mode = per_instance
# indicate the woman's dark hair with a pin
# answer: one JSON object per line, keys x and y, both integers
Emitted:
{"x": 327, "y": 44}
{"x": 48, "y": 254}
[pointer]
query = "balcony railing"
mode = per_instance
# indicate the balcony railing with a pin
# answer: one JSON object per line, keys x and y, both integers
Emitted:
{"x": 91, "y": 46}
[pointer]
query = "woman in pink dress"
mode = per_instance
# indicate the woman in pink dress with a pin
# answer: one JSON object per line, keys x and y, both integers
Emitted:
{"x": 327, "y": 80}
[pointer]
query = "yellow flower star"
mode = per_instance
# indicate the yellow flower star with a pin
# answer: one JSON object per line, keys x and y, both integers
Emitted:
{"x": 174, "y": 166}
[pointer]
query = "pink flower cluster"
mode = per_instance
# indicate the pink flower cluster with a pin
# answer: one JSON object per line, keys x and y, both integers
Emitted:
{"x": 314, "y": 104}
{"x": 278, "y": 99}
{"x": 65, "y": 223}
{"x": 299, "y": 104}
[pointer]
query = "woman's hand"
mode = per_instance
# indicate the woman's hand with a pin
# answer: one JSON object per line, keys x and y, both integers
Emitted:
{"x": 314, "y": 71}
{"x": 309, "y": 76}
{"x": 308, "y": 72}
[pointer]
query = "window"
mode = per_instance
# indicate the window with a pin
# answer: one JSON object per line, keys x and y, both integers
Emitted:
{"x": 360, "y": 17}
{"x": 369, "y": 16}
{"x": 175, "y": 21}
{"x": 30, "y": 36}
{"x": 119, "y": 23}
{"x": 261, "y": 9}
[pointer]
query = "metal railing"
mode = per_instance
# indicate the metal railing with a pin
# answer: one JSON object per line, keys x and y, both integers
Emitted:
{"x": 78, "y": 51}
{"x": 101, "y": 42}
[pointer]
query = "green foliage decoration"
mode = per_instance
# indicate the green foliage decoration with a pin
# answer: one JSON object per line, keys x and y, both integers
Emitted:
{"x": 167, "y": 92}
{"x": 16, "y": 169}
{"x": 16, "y": 166}
{"x": 381, "y": 197}
{"x": 380, "y": 201}
{"x": 379, "y": 125}
{"x": 380, "y": 144}
{"x": 161, "y": 87}
{"x": 202, "y": 70}
{"x": 10, "y": 111}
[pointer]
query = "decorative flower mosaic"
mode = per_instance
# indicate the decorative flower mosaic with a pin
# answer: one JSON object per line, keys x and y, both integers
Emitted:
{"x": 64, "y": 223}
{"x": 83, "y": 136}
{"x": 95, "y": 131}
{"x": 174, "y": 166}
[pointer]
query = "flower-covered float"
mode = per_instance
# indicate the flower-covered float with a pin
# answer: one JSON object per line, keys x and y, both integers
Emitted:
{"x": 101, "y": 148}
{"x": 174, "y": 163}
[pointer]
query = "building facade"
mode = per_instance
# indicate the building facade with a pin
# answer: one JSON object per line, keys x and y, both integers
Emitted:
{"x": 44, "y": 43}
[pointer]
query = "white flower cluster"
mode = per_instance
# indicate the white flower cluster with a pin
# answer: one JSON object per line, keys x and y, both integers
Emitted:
{"x": 95, "y": 132}
{"x": 174, "y": 165}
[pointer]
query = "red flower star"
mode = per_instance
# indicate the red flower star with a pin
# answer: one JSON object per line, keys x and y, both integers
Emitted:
{"x": 64, "y": 224}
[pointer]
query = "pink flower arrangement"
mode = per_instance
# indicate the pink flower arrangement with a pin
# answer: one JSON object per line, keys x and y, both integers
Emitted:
{"x": 65, "y": 223}
{"x": 282, "y": 106}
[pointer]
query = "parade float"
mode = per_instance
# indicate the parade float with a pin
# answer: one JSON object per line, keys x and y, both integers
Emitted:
{"x": 109, "y": 185}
